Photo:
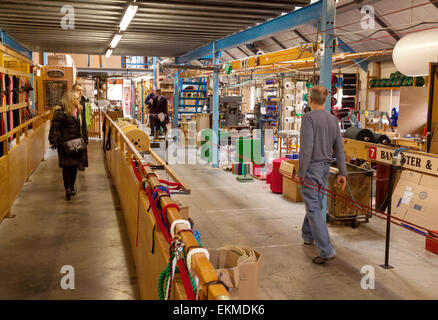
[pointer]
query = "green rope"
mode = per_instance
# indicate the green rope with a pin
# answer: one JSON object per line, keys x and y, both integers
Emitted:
{"x": 164, "y": 277}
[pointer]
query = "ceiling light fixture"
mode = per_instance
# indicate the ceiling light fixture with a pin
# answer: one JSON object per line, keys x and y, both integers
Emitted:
{"x": 115, "y": 40}
{"x": 108, "y": 53}
{"x": 129, "y": 15}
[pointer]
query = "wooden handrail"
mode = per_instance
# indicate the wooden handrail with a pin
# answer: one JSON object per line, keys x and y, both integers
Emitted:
{"x": 202, "y": 266}
{"x": 14, "y": 107}
{"x": 23, "y": 126}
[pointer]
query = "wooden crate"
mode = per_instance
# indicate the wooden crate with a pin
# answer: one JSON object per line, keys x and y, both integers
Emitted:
{"x": 360, "y": 182}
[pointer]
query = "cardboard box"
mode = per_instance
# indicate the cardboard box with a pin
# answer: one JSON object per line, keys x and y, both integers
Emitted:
{"x": 57, "y": 60}
{"x": 291, "y": 189}
{"x": 241, "y": 278}
{"x": 411, "y": 176}
{"x": 421, "y": 219}
{"x": 415, "y": 199}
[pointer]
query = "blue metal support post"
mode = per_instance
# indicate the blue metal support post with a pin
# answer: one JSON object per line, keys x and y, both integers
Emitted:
{"x": 142, "y": 101}
{"x": 154, "y": 62}
{"x": 327, "y": 43}
{"x": 132, "y": 100}
{"x": 327, "y": 30}
{"x": 215, "y": 154}
{"x": 175, "y": 101}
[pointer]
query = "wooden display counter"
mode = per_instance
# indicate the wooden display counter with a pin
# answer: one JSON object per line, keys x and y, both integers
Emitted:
{"x": 141, "y": 223}
{"x": 21, "y": 156}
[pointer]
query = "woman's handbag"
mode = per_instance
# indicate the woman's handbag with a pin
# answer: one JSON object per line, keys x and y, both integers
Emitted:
{"x": 75, "y": 146}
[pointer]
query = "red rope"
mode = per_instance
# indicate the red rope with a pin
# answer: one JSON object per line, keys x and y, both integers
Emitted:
{"x": 138, "y": 213}
{"x": 352, "y": 203}
{"x": 134, "y": 167}
{"x": 181, "y": 263}
{"x": 176, "y": 185}
{"x": 186, "y": 280}
{"x": 159, "y": 222}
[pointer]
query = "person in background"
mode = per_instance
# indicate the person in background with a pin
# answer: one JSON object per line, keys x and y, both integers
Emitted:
{"x": 320, "y": 137}
{"x": 161, "y": 118}
{"x": 149, "y": 102}
{"x": 87, "y": 112}
{"x": 67, "y": 125}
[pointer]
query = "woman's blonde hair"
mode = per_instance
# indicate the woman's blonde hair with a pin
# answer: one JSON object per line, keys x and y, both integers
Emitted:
{"x": 68, "y": 102}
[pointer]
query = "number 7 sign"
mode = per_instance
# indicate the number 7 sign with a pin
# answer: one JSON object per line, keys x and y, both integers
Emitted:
{"x": 372, "y": 153}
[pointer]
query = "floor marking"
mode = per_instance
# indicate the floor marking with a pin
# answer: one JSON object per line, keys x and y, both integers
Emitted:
{"x": 207, "y": 188}
{"x": 228, "y": 210}
{"x": 280, "y": 245}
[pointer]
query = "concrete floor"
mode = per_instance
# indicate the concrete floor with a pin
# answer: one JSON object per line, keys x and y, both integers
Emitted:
{"x": 230, "y": 213}
{"x": 89, "y": 233}
{"x": 47, "y": 233}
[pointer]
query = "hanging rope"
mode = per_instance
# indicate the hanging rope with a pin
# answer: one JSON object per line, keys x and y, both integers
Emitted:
{"x": 177, "y": 260}
{"x": 375, "y": 212}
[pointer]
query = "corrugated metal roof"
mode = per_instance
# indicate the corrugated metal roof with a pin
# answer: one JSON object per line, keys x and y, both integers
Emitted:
{"x": 160, "y": 28}
{"x": 170, "y": 28}
{"x": 349, "y": 27}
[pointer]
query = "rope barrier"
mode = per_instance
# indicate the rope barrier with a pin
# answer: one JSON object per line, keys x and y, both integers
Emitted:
{"x": 375, "y": 212}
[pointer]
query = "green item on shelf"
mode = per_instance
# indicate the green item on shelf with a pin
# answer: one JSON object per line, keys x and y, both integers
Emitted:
{"x": 410, "y": 81}
{"x": 393, "y": 76}
{"x": 372, "y": 83}
{"x": 398, "y": 83}
{"x": 405, "y": 83}
{"x": 306, "y": 97}
{"x": 309, "y": 85}
{"x": 398, "y": 75}
{"x": 420, "y": 82}
{"x": 228, "y": 68}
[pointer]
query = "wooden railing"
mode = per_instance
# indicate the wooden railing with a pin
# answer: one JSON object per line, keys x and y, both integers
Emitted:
{"x": 140, "y": 222}
{"x": 21, "y": 156}
{"x": 95, "y": 130}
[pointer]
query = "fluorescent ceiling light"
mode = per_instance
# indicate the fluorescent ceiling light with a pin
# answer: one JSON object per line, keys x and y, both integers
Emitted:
{"x": 129, "y": 14}
{"x": 108, "y": 53}
{"x": 115, "y": 40}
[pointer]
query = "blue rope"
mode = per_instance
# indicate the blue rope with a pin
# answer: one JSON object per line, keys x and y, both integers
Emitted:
{"x": 155, "y": 195}
{"x": 158, "y": 204}
{"x": 197, "y": 236}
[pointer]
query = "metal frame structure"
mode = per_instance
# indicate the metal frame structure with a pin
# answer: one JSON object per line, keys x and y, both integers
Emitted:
{"x": 324, "y": 10}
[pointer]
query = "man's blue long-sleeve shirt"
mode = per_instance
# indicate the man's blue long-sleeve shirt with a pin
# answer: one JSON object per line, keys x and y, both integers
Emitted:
{"x": 320, "y": 138}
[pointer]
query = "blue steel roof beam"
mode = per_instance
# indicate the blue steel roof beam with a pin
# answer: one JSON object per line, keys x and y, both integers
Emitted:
{"x": 11, "y": 43}
{"x": 346, "y": 48}
{"x": 266, "y": 29}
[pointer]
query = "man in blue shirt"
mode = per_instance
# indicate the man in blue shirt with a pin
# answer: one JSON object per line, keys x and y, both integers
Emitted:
{"x": 320, "y": 138}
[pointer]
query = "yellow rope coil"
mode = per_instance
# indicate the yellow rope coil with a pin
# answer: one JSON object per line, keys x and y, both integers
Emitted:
{"x": 245, "y": 254}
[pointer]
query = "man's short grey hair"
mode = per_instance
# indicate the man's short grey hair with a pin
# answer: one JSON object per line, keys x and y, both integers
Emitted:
{"x": 318, "y": 94}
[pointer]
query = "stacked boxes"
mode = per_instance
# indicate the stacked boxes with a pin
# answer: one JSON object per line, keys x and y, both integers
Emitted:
{"x": 415, "y": 199}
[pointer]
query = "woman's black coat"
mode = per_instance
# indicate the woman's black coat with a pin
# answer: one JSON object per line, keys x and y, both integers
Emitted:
{"x": 65, "y": 128}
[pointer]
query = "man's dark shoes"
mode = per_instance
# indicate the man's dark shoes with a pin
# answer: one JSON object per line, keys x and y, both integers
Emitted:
{"x": 321, "y": 260}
